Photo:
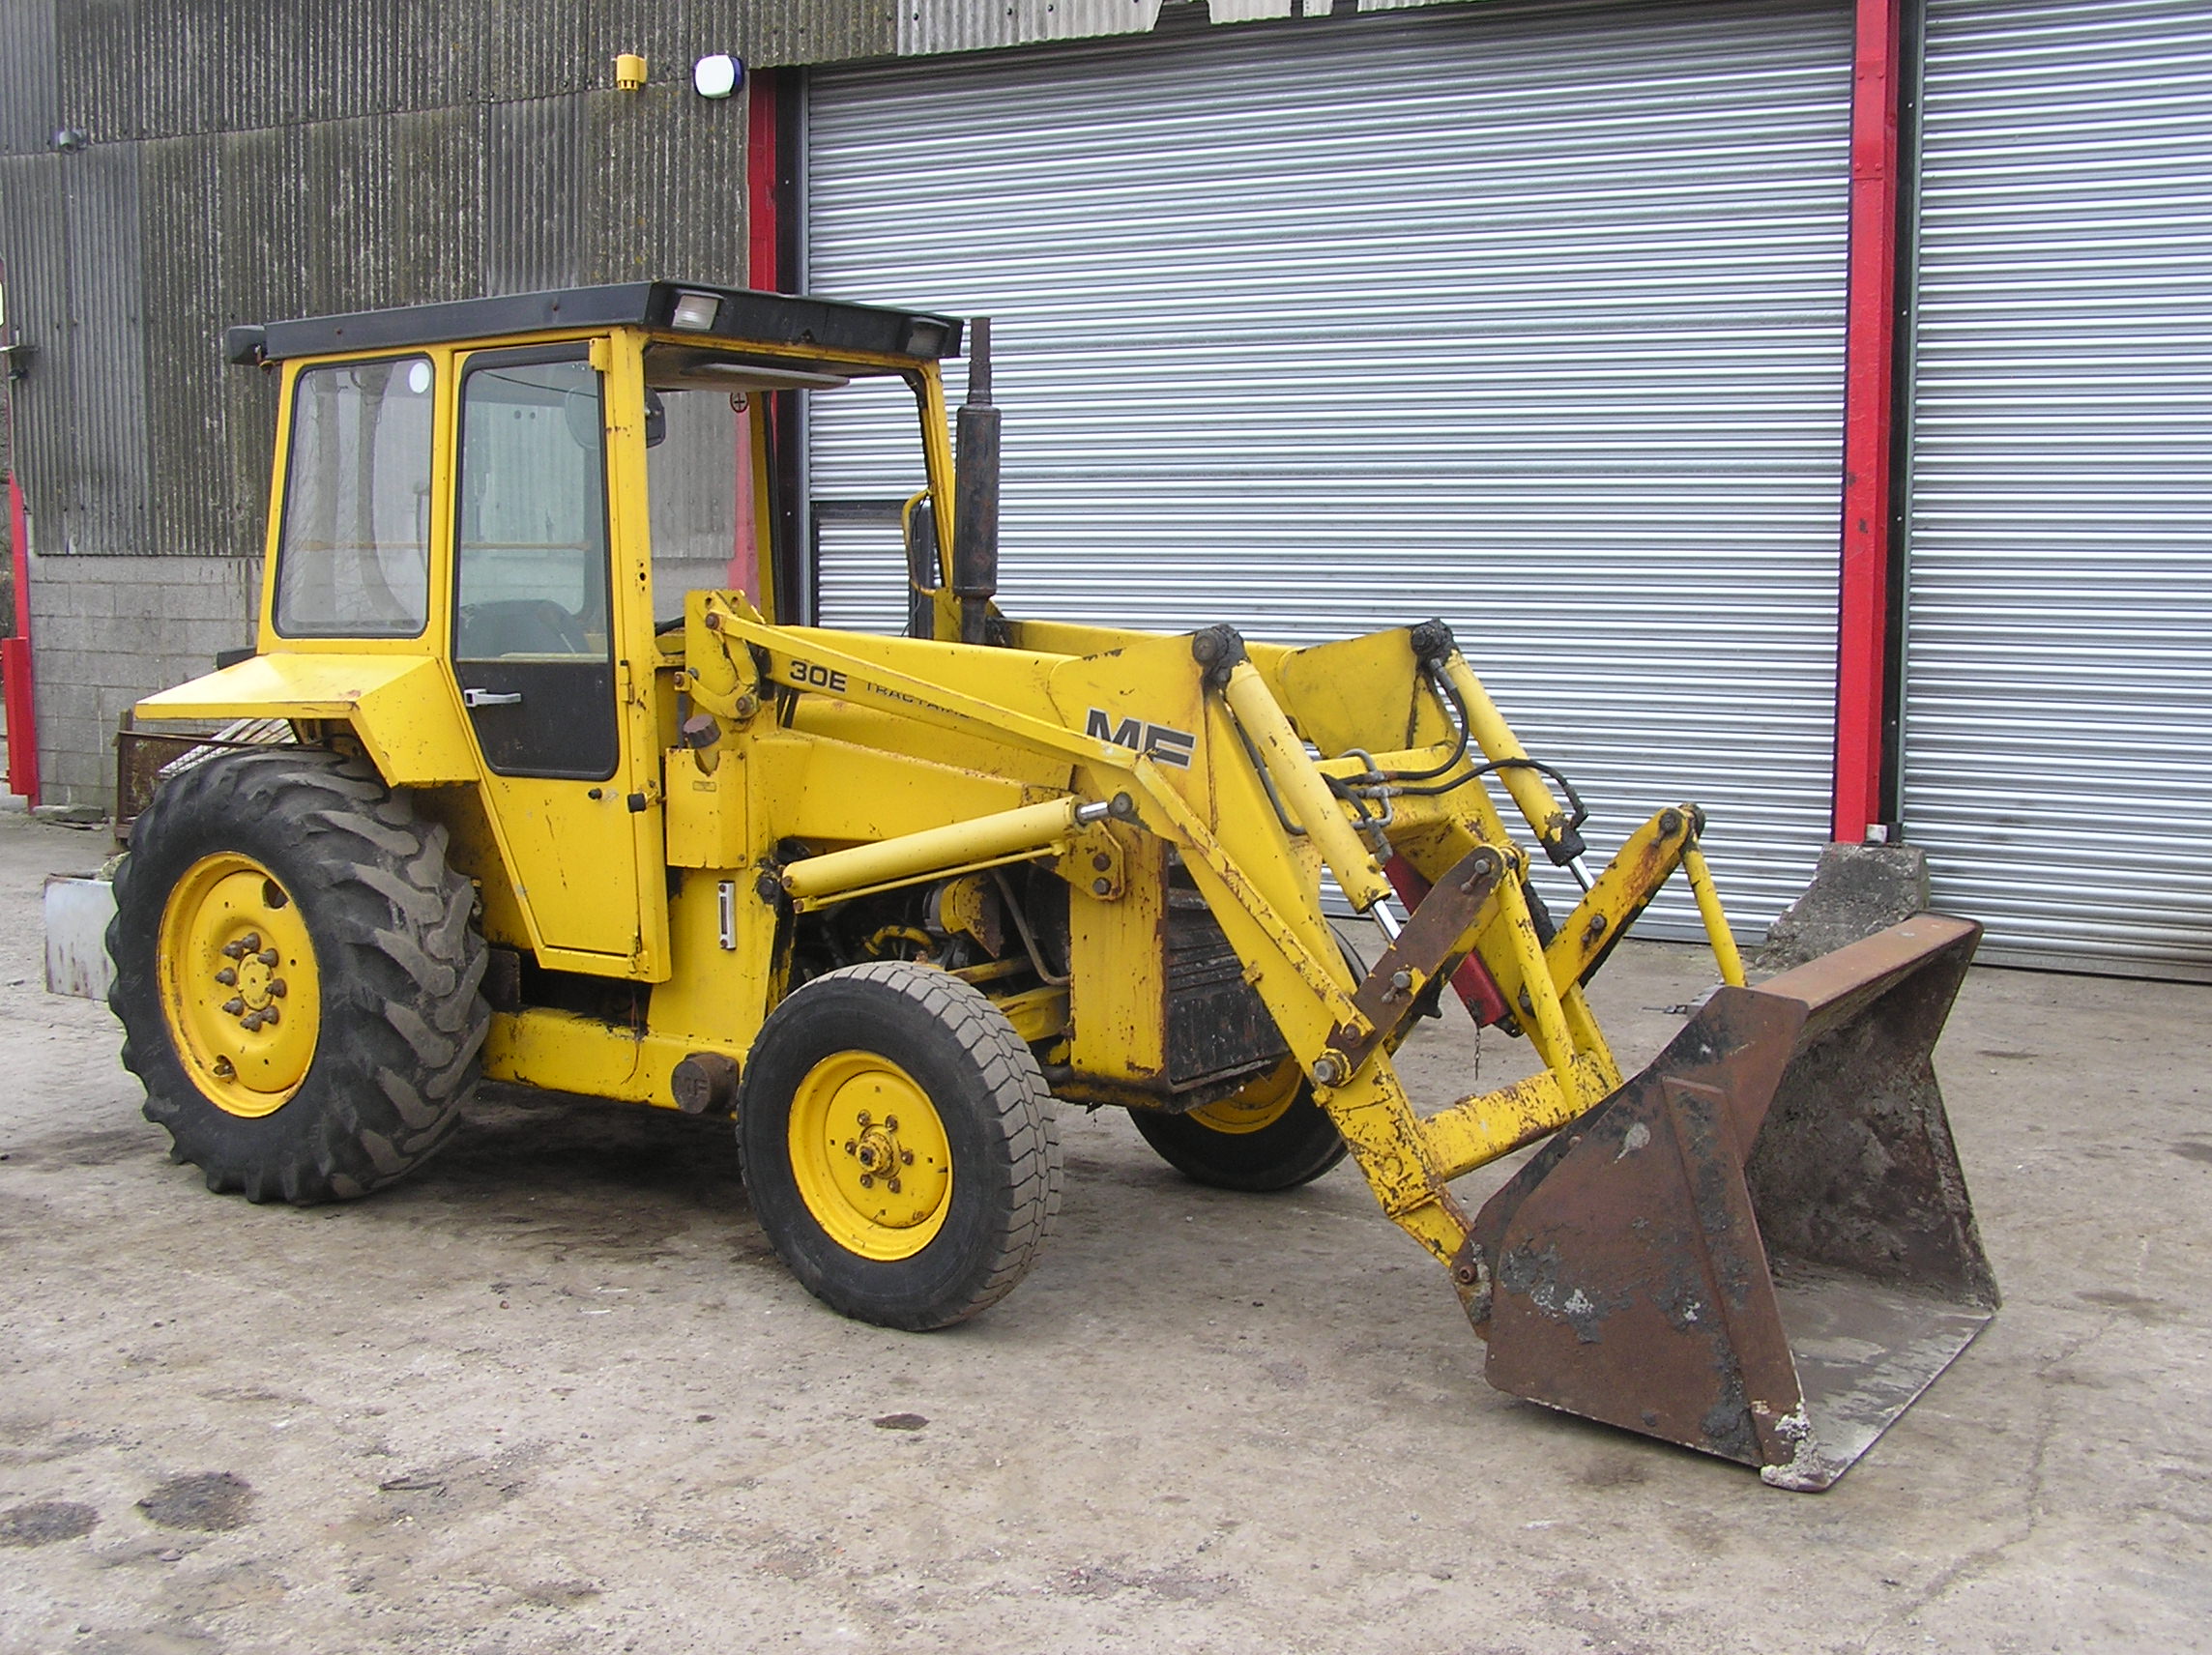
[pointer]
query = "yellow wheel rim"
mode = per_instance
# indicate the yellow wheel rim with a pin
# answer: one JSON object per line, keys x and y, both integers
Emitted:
{"x": 870, "y": 1156}
{"x": 1259, "y": 1105}
{"x": 239, "y": 990}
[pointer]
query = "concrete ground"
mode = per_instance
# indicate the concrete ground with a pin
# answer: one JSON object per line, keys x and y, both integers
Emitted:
{"x": 556, "y": 1393}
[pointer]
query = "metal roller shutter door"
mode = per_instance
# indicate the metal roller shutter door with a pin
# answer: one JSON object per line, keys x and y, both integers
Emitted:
{"x": 2057, "y": 756}
{"x": 1529, "y": 317}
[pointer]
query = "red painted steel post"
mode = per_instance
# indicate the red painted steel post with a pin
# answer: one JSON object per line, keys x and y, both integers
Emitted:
{"x": 762, "y": 94}
{"x": 1869, "y": 353}
{"x": 16, "y": 662}
{"x": 762, "y": 228}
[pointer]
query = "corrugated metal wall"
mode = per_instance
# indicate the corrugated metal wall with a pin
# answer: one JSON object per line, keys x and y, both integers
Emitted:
{"x": 2057, "y": 748}
{"x": 1529, "y": 316}
{"x": 262, "y": 158}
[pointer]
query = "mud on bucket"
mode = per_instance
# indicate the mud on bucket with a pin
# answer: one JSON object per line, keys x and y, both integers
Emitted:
{"x": 1761, "y": 1246}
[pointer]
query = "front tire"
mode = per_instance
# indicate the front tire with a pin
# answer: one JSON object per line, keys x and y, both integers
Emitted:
{"x": 296, "y": 972}
{"x": 898, "y": 1144}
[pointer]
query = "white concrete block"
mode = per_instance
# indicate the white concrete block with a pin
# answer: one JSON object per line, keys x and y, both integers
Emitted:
{"x": 78, "y": 908}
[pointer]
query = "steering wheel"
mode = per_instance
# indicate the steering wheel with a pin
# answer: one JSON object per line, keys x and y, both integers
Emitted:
{"x": 520, "y": 626}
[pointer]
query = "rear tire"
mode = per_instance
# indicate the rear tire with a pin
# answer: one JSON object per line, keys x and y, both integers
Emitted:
{"x": 1270, "y": 1136}
{"x": 898, "y": 1144}
{"x": 364, "y": 967}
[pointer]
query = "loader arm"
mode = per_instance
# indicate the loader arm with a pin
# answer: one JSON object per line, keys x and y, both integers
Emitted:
{"x": 1709, "y": 1306}
{"x": 1242, "y": 861}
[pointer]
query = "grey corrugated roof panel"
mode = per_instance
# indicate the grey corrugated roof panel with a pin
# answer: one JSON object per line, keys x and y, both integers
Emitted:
{"x": 105, "y": 364}
{"x": 99, "y": 71}
{"x": 30, "y": 90}
{"x": 792, "y": 32}
{"x": 667, "y": 172}
{"x": 34, "y": 239}
{"x": 569, "y": 45}
{"x": 259, "y": 206}
{"x": 430, "y": 57}
{"x": 398, "y": 205}
{"x": 547, "y": 49}
{"x": 930, "y": 27}
{"x": 535, "y": 214}
{"x": 926, "y": 27}
{"x": 183, "y": 408}
{"x": 119, "y": 73}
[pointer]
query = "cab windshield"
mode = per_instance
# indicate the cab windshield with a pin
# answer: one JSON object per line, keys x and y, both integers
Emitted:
{"x": 718, "y": 501}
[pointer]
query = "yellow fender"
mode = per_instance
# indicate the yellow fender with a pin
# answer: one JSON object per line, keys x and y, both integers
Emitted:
{"x": 402, "y": 707}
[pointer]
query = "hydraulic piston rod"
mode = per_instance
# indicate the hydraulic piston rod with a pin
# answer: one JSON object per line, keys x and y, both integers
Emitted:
{"x": 1031, "y": 829}
{"x": 1303, "y": 787}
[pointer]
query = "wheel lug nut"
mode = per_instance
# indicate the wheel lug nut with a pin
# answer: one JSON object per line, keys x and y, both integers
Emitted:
{"x": 890, "y": 1123}
{"x": 894, "y": 1182}
{"x": 227, "y": 978}
{"x": 250, "y": 944}
{"x": 251, "y": 1021}
{"x": 277, "y": 988}
{"x": 234, "y": 950}
{"x": 849, "y": 1146}
{"x": 862, "y": 1118}
{"x": 268, "y": 956}
{"x": 866, "y": 1182}
{"x": 906, "y": 1158}
{"x": 267, "y": 1015}
{"x": 234, "y": 1006}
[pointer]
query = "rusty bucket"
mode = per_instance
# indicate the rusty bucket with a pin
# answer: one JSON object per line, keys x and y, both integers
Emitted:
{"x": 1761, "y": 1246}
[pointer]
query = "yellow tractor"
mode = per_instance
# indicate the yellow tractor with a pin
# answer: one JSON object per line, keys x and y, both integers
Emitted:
{"x": 569, "y": 796}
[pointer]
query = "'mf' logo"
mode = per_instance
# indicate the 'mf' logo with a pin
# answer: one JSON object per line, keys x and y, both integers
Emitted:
{"x": 1156, "y": 742}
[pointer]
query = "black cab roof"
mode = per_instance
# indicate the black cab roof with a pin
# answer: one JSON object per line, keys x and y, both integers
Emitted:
{"x": 730, "y": 314}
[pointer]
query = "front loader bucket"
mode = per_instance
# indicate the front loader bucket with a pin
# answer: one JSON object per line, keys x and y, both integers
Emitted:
{"x": 1760, "y": 1246}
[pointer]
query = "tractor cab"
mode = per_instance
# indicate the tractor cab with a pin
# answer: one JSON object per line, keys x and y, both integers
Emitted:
{"x": 486, "y": 516}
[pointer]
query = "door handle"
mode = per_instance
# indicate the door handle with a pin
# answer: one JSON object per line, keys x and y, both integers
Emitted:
{"x": 491, "y": 698}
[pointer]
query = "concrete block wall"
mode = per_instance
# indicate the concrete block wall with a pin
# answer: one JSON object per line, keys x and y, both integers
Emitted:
{"x": 105, "y": 631}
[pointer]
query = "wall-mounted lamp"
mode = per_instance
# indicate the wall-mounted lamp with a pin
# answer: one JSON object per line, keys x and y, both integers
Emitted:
{"x": 718, "y": 75}
{"x": 629, "y": 73}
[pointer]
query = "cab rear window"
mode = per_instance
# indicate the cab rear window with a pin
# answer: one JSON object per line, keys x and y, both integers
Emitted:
{"x": 354, "y": 559}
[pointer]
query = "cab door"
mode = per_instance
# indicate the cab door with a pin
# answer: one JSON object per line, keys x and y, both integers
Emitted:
{"x": 538, "y": 654}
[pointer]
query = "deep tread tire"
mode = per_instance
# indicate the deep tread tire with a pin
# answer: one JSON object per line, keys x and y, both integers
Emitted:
{"x": 398, "y": 957}
{"x": 998, "y": 1116}
{"x": 1295, "y": 1149}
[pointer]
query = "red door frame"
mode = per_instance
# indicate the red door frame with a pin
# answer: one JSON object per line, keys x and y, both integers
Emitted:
{"x": 16, "y": 658}
{"x": 1870, "y": 353}
{"x": 764, "y": 93}
{"x": 773, "y": 220}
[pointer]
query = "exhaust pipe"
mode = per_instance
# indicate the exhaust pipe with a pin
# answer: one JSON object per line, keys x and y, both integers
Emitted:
{"x": 975, "y": 493}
